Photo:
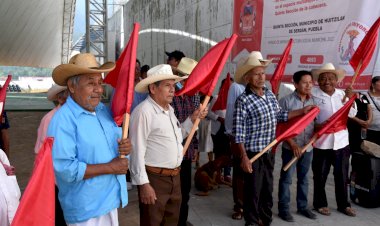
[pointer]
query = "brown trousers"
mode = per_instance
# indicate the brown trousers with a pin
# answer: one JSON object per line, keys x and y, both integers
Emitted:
{"x": 166, "y": 209}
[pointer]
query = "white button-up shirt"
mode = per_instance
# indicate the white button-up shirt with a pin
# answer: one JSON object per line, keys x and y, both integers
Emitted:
{"x": 156, "y": 136}
{"x": 9, "y": 193}
{"x": 328, "y": 106}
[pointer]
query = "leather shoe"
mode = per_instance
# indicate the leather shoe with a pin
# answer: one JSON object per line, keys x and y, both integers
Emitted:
{"x": 307, "y": 213}
{"x": 286, "y": 216}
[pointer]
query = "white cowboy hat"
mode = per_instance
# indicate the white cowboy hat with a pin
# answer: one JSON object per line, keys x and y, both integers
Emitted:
{"x": 155, "y": 74}
{"x": 83, "y": 63}
{"x": 329, "y": 67}
{"x": 53, "y": 91}
{"x": 254, "y": 59}
{"x": 186, "y": 66}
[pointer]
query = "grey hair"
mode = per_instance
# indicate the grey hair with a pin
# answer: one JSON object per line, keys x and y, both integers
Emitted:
{"x": 74, "y": 80}
{"x": 157, "y": 84}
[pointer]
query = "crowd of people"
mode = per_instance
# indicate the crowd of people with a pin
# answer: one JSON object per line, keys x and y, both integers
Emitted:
{"x": 88, "y": 151}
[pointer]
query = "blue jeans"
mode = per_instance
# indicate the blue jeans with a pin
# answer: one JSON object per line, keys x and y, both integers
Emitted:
{"x": 302, "y": 166}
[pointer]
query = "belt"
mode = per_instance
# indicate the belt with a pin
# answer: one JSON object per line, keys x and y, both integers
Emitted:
{"x": 163, "y": 171}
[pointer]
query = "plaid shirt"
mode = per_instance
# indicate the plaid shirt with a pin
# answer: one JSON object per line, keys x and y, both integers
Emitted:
{"x": 255, "y": 119}
{"x": 184, "y": 106}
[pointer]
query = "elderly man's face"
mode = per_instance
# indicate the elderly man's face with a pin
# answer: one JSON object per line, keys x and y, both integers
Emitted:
{"x": 163, "y": 93}
{"x": 256, "y": 78}
{"x": 88, "y": 92}
{"x": 327, "y": 82}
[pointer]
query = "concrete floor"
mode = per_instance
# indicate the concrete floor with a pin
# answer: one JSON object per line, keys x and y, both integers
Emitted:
{"x": 215, "y": 209}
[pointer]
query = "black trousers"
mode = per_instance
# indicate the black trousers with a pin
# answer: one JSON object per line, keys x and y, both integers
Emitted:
{"x": 373, "y": 136}
{"x": 237, "y": 177}
{"x": 59, "y": 219}
{"x": 185, "y": 190}
{"x": 258, "y": 189}
{"x": 322, "y": 161}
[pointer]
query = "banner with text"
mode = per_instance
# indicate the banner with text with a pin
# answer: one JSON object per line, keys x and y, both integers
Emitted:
{"x": 323, "y": 31}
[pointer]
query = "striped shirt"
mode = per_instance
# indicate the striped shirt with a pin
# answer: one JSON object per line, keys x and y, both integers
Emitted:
{"x": 255, "y": 119}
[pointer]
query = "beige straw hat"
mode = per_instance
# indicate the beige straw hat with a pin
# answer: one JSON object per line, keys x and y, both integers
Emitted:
{"x": 155, "y": 74}
{"x": 329, "y": 67}
{"x": 83, "y": 63}
{"x": 53, "y": 91}
{"x": 254, "y": 59}
{"x": 186, "y": 66}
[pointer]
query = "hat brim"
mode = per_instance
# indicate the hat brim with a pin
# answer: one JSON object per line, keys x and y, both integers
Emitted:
{"x": 340, "y": 73}
{"x": 53, "y": 91}
{"x": 142, "y": 86}
{"x": 177, "y": 70}
{"x": 64, "y": 71}
{"x": 240, "y": 72}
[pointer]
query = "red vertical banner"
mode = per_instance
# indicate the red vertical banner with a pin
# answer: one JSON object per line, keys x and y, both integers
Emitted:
{"x": 247, "y": 24}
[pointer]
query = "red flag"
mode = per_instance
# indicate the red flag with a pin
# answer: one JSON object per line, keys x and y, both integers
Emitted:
{"x": 205, "y": 75}
{"x": 3, "y": 94}
{"x": 293, "y": 127}
{"x": 122, "y": 78}
{"x": 221, "y": 102}
{"x": 337, "y": 121}
{"x": 366, "y": 48}
{"x": 279, "y": 72}
{"x": 37, "y": 206}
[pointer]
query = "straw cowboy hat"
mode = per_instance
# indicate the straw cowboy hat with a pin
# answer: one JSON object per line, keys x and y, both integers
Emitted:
{"x": 186, "y": 66}
{"x": 155, "y": 74}
{"x": 254, "y": 59}
{"x": 329, "y": 67}
{"x": 53, "y": 92}
{"x": 83, "y": 63}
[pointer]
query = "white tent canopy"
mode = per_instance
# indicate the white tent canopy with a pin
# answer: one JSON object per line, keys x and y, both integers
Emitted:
{"x": 33, "y": 32}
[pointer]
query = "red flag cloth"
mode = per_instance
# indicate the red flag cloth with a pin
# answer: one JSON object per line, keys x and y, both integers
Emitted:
{"x": 293, "y": 127}
{"x": 366, "y": 48}
{"x": 279, "y": 72}
{"x": 205, "y": 75}
{"x": 3, "y": 94}
{"x": 37, "y": 206}
{"x": 337, "y": 121}
{"x": 221, "y": 102}
{"x": 122, "y": 78}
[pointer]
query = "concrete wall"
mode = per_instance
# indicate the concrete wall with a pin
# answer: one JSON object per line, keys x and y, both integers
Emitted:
{"x": 210, "y": 19}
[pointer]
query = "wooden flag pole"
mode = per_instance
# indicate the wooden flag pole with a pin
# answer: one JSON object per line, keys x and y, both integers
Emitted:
{"x": 195, "y": 125}
{"x": 312, "y": 140}
{"x": 354, "y": 77}
{"x": 125, "y": 129}
{"x": 356, "y": 72}
{"x": 274, "y": 142}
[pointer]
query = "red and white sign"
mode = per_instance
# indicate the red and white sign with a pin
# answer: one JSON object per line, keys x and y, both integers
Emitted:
{"x": 323, "y": 31}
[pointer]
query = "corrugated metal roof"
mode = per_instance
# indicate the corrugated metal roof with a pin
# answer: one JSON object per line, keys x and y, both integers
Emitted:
{"x": 31, "y": 32}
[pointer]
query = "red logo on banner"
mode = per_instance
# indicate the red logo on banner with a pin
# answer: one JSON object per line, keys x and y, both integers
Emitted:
{"x": 247, "y": 24}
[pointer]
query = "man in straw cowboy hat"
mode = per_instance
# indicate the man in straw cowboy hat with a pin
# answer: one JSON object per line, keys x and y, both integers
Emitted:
{"x": 184, "y": 106}
{"x": 157, "y": 140}
{"x": 333, "y": 148}
{"x": 57, "y": 94}
{"x": 89, "y": 174}
{"x": 254, "y": 126}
